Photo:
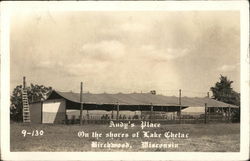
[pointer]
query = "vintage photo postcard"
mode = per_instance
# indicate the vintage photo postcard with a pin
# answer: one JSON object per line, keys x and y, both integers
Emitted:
{"x": 125, "y": 80}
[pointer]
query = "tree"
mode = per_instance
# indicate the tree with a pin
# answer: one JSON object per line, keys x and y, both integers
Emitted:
{"x": 223, "y": 91}
{"x": 35, "y": 93}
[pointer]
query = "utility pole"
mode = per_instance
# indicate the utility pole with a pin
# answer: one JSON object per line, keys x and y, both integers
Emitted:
{"x": 81, "y": 105}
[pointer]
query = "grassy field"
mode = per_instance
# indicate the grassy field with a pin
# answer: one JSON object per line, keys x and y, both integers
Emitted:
{"x": 202, "y": 137}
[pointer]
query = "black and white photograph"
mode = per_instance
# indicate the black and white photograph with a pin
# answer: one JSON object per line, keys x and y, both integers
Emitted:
{"x": 134, "y": 79}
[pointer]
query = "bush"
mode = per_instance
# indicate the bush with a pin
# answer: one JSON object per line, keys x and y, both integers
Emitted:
{"x": 236, "y": 116}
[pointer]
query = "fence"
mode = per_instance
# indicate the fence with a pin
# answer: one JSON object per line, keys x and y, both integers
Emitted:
{"x": 160, "y": 117}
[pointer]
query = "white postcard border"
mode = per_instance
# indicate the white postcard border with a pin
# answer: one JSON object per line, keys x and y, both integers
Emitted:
{"x": 8, "y": 7}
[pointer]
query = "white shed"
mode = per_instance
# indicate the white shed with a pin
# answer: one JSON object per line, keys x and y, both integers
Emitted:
{"x": 54, "y": 111}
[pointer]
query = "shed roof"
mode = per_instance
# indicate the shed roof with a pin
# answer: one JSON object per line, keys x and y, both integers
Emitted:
{"x": 139, "y": 99}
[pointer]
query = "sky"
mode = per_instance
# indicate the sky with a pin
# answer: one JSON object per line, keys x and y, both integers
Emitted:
{"x": 128, "y": 51}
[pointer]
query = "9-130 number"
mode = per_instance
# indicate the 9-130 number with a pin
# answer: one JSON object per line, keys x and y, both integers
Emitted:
{"x": 32, "y": 133}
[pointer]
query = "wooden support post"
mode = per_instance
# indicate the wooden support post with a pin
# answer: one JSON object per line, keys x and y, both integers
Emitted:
{"x": 88, "y": 114}
{"x": 141, "y": 112}
{"x": 167, "y": 113}
{"x": 208, "y": 95}
{"x": 209, "y": 114}
{"x": 24, "y": 82}
{"x": 205, "y": 113}
{"x": 65, "y": 115}
{"x": 223, "y": 114}
{"x": 239, "y": 111}
{"x": 118, "y": 108}
{"x": 221, "y": 111}
{"x": 162, "y": 113}
{"x": 81, "y": 105}
{"x": 151, "y": 111}
{"x": 180, "y": 105}
{"x": 229, "y": 114}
